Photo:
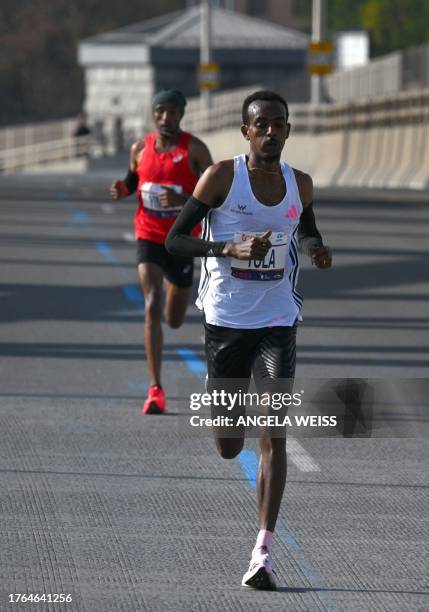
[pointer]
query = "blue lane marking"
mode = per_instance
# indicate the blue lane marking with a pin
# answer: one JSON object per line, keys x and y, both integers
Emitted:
{"x": 133, "y": 294}
{"x": 249, "y": 464}
{"x": 104, "y": 249}
{"x": 80, "y": 216}
{"x": 193, "y": 362}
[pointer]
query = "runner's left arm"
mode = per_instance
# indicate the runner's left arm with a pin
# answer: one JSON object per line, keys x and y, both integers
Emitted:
{"x": 310, "y": 239}
{"x": 180, "y": 242}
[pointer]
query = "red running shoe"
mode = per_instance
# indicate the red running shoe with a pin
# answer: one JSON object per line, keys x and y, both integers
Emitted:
{"x": 155, "y": 402}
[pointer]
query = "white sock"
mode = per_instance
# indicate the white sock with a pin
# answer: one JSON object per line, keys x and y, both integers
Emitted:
{"x": 264, "y": 538}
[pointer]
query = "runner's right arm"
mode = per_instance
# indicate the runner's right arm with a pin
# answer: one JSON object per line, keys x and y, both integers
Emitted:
{"x": 210, "y": 191}
{"x": 121, "y": 189}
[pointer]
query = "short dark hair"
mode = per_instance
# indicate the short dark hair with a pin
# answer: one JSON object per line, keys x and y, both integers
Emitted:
{"x": 264, "y": 94}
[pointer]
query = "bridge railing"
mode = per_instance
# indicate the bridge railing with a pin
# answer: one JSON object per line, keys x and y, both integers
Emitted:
{"x": 224, "y": 112}
{"x": 389, "y": 74}
{"x": 47, "y": 131}
{"x": 39, "y": 153}
{"x": 381, "y": 142}
{"x": 389, "y": 109}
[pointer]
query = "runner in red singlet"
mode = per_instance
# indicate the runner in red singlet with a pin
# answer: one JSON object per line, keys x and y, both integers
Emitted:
{"x": 164, "y": 167}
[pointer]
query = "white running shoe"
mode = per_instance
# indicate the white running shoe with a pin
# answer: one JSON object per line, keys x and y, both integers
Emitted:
{"x": 261, "y": 574}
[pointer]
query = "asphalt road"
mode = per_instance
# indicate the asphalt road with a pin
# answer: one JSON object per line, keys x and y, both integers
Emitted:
{"x": 125, "y": 512}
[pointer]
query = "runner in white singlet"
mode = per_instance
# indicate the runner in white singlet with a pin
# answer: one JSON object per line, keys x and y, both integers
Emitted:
{"x": 256, "y": 209}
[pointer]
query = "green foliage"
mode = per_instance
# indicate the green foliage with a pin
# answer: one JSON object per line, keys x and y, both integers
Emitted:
{"x": 393, "y": 24}
{"x": 396, "y": 24}
{"x": 342, "y": 14}
{"x": 39, "y": 78}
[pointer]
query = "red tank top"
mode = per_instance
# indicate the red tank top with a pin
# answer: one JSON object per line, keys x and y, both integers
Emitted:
{"x": 152, "y": 221}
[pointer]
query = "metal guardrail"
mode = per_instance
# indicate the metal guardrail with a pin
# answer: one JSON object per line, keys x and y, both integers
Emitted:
{"x": 403, "y": 108}
{"x": 22, "y": 135}
{"x": 379, "y": 78}
{"x": 406, "y": 108}
{"x": 390, "y": 74}
{"x": 38, "y": 153}
{"x": 225, "y": 110}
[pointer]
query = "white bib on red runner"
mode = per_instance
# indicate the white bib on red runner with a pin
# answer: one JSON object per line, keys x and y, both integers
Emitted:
{"x": 151, "y": 193}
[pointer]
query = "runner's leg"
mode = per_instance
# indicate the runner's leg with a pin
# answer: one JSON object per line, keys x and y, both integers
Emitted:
{"x": 274, "y": 370}
{"x": 151, "y": 276}
{"x": 179, "y": 272}
{"x": 229, "y": 370}
{"x": 176, "y": 302}
{"x": 271, "y": 479}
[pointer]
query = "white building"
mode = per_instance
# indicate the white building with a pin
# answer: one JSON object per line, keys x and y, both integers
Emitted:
{"x": 124, "y": 68}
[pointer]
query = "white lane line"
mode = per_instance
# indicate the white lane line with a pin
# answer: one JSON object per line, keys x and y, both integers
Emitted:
{"x": 128, "y": 237}
{"x": 107, "y": 208}
{"x": 299, "y": 456}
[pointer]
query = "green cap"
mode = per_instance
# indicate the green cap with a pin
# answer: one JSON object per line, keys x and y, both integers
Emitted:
{"x": 174, "y": 96}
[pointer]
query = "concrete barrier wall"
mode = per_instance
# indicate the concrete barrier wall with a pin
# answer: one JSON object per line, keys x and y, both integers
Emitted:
{"x": 384, "y": 158}
{"x": 382, "y": 144}
{"x": 301, "y": 150}
{"x": 419, "y": 176}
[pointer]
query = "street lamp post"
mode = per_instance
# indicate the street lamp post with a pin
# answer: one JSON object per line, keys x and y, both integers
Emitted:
{"x": 318, "y": 34}
{"x": 205, "y": 49}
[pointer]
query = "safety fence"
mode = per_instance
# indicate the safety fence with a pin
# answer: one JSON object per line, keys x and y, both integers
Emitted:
{"x": 224, "y": 110}
{"x": 382, "y": 142}
{"x": 23, "y": 135}
{"x": 39, "y": 153}
{"x": 40, "y": 143}
{"x": 389, "y": 74}
{"x": 377, "y": 143}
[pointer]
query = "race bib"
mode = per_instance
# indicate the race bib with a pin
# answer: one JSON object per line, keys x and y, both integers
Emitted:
{"x": 152, "y": 202}
{"x": 272, "y": 267}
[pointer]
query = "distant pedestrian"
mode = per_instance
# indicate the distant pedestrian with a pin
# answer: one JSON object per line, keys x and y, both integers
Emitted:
{"x": 82, "y": 128}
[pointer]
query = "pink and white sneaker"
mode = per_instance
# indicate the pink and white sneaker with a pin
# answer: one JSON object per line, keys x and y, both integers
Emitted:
{"x": 261, "y": 574}
{"x": 155, "y": 402}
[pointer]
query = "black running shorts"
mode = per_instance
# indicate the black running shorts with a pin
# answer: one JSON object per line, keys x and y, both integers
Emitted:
{"x": 178, "y": 270}
{"x": 268, "y": 353}
{"x": 233, "y": 355}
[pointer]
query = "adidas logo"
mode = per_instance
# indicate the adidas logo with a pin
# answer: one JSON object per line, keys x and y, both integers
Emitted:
{"x": 292, "y": 213}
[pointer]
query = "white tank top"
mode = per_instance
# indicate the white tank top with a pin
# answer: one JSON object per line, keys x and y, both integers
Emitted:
{"x": 252, "y": 294}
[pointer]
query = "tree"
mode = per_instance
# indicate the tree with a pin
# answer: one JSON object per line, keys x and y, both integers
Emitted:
{"x": 396, "y": 24}
{"x": 39, "y": 75}
{"x": 342, "y": 15}
{"x": 392, "y": 24}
